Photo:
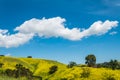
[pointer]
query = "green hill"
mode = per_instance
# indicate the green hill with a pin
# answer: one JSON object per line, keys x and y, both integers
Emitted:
{"x": 40, "y": 67}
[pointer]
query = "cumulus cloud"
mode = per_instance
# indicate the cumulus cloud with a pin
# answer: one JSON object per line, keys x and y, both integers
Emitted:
{"x": 52, "y": 27}
{"x": 99, "y": 28}
{"x": 13, "y": 40}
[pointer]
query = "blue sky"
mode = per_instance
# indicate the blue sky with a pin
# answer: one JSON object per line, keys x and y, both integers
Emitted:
{"x": 79, "y": 14}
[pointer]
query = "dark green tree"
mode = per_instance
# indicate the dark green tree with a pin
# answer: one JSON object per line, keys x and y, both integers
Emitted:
{"x": 2, "y": 55}
{"x": 113, "y": 64}
{"x": 29, "y": 56}
{"x": 90, "y": 60}
{"x": 71, "y": 64}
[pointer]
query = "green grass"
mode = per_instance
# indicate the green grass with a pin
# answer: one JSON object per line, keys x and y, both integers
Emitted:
{"x": 10, "y": 78}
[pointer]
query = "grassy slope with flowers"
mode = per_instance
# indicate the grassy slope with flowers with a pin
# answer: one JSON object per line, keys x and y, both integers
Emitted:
{"x": 40, "y": 67}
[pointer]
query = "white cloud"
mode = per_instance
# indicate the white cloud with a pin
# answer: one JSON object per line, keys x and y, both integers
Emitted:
{"x": 14, "y": 40}
{"x": 99, "y": 28}
{"x": 113, "y": 33}
{"x": 3, "y": 31}
{"x": 52, "y": 27}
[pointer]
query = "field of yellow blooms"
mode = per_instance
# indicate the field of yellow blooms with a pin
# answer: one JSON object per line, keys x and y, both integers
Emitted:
{"x": 93, "y": 74}
{"x": 40, "y": 67}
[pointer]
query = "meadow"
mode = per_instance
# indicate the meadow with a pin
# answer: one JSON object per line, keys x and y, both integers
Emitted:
{"x": 41, "y": 68}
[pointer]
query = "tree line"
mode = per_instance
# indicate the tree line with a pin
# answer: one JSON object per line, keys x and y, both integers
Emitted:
{"x": 90, "y": 61}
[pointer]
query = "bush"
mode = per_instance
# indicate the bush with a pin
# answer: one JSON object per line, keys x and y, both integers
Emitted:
{"x": 63, "y": 79}
{"x": 71, "y": 64}
{"x": 2, "y": 55}
{"x": 1, "y": 72}
{"x": 53, "y": 69}
{"x": 85, "y": 73}
{"x": 107, "y": 76}
{"x": 10, "y": 72}
{"x": 1, "y": 64}
{"x": 20, "y": 71}
{"x": 29, "y": 56}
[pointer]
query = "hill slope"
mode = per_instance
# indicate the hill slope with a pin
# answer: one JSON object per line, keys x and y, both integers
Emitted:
{"x": 40, "y": 67}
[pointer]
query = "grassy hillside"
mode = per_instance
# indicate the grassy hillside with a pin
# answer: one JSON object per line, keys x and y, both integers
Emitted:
{"x": 40, "y": 67}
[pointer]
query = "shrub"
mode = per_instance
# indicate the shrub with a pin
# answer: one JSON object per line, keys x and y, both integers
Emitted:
{"x": 29, "y": 56}
{"x": 63, "y": 79}
{"x": 71, "y": 64}
{"x": 20, "y": 71}
{"x": 9, "y": 72}
{"x": 53, "y": 69}
{"x": 1, "y": 64}
{"x": 2, "y": 55}
{"x": 85, "y": 73}
{"x": 107, "y": 76}
{"x": 1, "y": 72}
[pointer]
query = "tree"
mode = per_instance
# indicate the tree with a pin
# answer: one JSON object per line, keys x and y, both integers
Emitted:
{"x": 29, "y": 56}
{"x": 113, "y": 64}
{"x": 90, "y": 60}
{"x": 2, "y": 55}
{"x": 71, "y": 64}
